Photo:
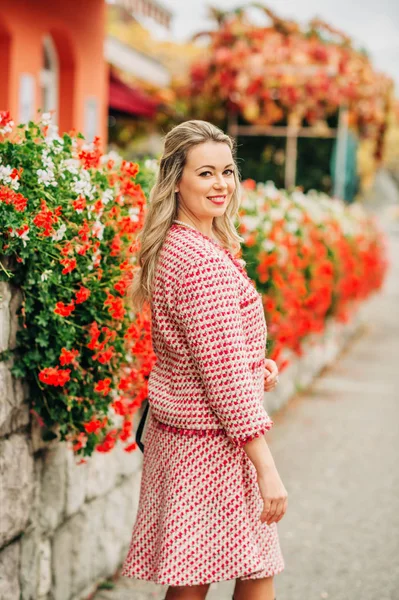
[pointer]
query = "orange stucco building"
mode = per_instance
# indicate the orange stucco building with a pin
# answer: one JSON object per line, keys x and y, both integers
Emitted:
{"x": 51, "y": 57}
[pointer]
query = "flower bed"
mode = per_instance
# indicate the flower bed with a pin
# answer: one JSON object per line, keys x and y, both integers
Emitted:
{"x": 70, "y": 217}
{"x": 311, "y": 258}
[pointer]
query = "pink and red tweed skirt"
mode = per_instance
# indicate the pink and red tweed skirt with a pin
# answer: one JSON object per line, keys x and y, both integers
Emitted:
{"x": 198, "y": 514}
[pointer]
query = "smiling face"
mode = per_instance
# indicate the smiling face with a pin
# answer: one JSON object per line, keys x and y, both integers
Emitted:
{"x": 207, "y": 183}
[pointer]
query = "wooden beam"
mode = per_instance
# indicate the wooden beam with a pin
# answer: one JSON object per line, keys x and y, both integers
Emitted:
{"x": 291, "y": 154}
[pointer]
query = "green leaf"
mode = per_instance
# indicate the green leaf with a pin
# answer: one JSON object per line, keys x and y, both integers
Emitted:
{"x": 42, "y": 339}
{"x": 42, "y": 319}
{"x": 18, "y": 370}
{"x": 5, "y": 355}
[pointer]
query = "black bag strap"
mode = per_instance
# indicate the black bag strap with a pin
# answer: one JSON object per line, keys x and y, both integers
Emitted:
{"x": 140, "y": 427}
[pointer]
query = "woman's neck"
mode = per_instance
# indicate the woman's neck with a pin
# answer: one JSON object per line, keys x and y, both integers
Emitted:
{"x": 204, "y": 227}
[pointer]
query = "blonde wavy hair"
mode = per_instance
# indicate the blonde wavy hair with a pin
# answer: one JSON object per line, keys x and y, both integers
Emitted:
{"x": 163, "y": 206}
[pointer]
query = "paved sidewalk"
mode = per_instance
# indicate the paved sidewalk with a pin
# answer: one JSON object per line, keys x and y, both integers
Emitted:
{"x": 337, "y": 449}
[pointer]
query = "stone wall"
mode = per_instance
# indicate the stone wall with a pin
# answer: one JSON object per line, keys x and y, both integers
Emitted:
{"x": 65, "y": 527}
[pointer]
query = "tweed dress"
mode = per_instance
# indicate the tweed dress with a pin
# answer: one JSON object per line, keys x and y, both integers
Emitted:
{"x": 198, "y": 518}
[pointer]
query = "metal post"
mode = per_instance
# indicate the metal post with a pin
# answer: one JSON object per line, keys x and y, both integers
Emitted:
{"x": 342, "y": 144}
{"x": 232, "y": 125}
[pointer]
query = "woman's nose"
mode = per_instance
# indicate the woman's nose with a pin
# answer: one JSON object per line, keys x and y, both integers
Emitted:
{"x": 221, "y": 183}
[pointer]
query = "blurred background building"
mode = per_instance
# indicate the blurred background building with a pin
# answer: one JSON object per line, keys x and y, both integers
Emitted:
{"x": 51, "y": 60}
{"x": 118, "y": 72}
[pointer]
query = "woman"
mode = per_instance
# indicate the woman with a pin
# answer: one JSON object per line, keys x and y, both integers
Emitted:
{"x": 210, "y": 495}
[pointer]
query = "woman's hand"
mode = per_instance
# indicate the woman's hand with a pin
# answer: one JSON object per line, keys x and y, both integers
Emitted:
{"x": 274, "y": 496}
{"x": 271, "y": 375}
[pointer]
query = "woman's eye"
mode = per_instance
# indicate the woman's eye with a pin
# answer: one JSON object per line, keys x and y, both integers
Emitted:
{"x": 230, "y": 171}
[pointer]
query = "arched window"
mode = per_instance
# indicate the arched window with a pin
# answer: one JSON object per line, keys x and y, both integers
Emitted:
{"x": 49, "y": 79}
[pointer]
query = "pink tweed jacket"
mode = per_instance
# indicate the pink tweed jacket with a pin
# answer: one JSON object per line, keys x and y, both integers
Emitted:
{"x": 209, "y": 336}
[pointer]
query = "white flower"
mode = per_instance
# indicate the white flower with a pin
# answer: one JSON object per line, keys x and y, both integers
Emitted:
{"x": 97, "y": 214}
{"x": 96, "y": 257}
{"x": 46, "y": 177}
{"x": 291, "y": 226}
{"x": 107, "y": 196}
{"x": 47, "y": 160}
{"x": 357, "y": 210}
{"x": 276, "y": 214}
{"x": 284, "y": 203}
{"x": 248, "y": 202}
{"x": 59, "y": 234}
{"x": 45, "y": 275}
{"x": 267, "y": 227}
{"x": 82, "y": 186}
{"x": 250, "y": 222}
{"x": 71, "y": 165}
{"x": 98, "y": 229}
{"x": 7, "y": 128}
{"x": 268, "y": 245}
{"x": 56, "y": 148}
{"x": 46, "y": 118}
{"x": 152, "y": 164}
{"x": 5, "y": 177}
{"x": 271, "y": 191}
{"x": 260, "y": 202}
{"x": 112, "y": 155}
{"x": 295, "y": 215}
{"x": 298, "y": 197}
{"x": 134, "y": 213}
{"x": 24, "y": 236}
{"x": 51, "y": 134}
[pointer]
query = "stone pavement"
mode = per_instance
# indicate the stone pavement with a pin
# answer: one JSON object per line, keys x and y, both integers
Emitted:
{"x": 336, "y": 448}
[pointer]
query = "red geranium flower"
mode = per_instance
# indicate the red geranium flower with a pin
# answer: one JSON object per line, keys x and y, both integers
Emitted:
{"x": 64, "y": 310}
{"x": 91, "y": 158}
{"x": 102, "y": 386}
{"x": 115, "y": 307}
{"x": 94, "y": 425}
{"x": 79, "y": 204}
{"x": 46, "y": 218}
{"x": 68, "y": 356}
{"x": 82, "y": 295}
{"x": 54, "y": 376}
{"x": 70, "y": 265}
{"x": 104, "y": 356}
{"x": 8, "y": 196}
{"x": 108, "y": 442}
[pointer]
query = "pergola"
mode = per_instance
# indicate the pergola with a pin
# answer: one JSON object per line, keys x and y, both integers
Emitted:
{"x": 294, "y": 130}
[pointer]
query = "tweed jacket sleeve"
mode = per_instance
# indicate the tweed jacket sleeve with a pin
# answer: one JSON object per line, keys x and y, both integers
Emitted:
{"x": 208, "y": 309}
